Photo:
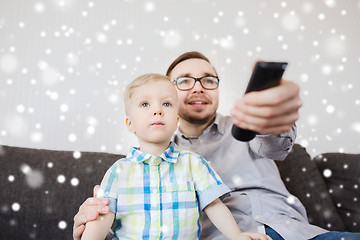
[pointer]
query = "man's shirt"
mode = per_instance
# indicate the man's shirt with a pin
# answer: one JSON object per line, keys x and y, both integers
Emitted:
{"x": 155, "y": 197}
{"x": 258, "y": 197}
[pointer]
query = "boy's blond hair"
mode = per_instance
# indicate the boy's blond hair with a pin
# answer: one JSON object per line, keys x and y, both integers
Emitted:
{"x": 139, "y": 81}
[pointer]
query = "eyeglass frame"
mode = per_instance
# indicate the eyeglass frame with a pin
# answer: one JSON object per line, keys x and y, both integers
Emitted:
{"x": 196, "y": 80}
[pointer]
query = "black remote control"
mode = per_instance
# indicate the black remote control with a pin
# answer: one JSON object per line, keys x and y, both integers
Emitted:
{"x": 265, "y": 75}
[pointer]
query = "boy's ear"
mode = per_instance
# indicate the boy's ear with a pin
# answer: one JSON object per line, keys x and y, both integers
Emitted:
{"x": 129, "y": 125}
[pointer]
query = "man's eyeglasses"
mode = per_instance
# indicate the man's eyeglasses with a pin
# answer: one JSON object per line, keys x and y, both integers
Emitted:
{"x": 187, "y": 83}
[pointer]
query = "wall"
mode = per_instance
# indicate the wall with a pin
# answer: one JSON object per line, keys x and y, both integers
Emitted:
{"x": 64, "y": 63}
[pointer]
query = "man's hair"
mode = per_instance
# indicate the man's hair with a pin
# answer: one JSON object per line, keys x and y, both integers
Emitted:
{"x": 139, "y": 81}
{"x": 186, "y": 56}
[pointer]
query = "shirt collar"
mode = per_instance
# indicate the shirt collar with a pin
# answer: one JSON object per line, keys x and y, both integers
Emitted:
{"x": 170, "y": 155}
{"x": 218, "y": 125}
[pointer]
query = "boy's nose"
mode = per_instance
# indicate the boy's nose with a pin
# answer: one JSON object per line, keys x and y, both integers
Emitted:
{"x": 158, "y": 111}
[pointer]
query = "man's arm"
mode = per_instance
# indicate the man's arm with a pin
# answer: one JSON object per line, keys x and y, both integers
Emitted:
{"x": 89, "y": 211}
{"x": 99, "y": 228}
{"x": 274, "y": 147}
{"x": 221, "y": 217}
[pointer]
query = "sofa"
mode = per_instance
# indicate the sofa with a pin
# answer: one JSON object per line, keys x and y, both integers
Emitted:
{"x": 41, "y": 190}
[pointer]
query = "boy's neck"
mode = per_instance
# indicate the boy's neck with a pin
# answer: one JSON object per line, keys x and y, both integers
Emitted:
{"x": 155, "y": 149}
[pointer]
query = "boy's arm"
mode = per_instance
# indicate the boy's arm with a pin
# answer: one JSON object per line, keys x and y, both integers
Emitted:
{"x": 99, "y": 228}
{"x": 221, "y": 217}
{"x": 89, "y": 211}
{"x": 223, "y": 220}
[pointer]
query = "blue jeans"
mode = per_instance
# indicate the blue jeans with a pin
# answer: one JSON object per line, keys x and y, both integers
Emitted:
{"x": 272, "y": 233}
{"x": 326, "y": 236}
{"x": 337, "y": 236}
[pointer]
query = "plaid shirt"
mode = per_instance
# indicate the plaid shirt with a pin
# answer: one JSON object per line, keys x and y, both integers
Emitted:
{"x": 160, "y": 197}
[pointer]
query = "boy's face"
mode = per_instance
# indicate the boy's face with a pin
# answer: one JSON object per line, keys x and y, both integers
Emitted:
{"x": 197, "y": 105}
{"x": 153, "y": 112}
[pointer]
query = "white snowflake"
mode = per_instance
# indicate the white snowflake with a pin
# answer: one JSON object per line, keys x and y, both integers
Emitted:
{"x": 74, "y": 182}
{"x": 327, "y": 173}
{"x": 149, "y": 6}
{"x": 15, "y": 207}
{"x": 61, "y": 178}
{"x": 62, "y": 224}
{"x": 172, "y": 39}
{"x": 39, "y": 7}
{"x": 290, "y": 21}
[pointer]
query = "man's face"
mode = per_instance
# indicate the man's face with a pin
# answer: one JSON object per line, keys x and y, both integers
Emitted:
{"x": 197, "y": 105}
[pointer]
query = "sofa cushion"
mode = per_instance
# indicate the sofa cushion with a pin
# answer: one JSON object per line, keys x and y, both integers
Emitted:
{"x": 342, "y": 177}
{"x": 303, "y": 180}
{"x": 42, "y": 190}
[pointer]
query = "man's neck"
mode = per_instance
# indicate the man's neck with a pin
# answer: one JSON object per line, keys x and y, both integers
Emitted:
{"x": 193, "y": 130}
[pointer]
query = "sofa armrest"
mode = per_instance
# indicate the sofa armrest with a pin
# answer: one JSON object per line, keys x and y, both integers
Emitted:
{"x": 342, "y": 177}
{"x": 303, "y": 180}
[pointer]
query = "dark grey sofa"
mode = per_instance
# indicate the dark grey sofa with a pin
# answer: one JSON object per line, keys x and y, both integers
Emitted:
{"x": 41, "y": 190}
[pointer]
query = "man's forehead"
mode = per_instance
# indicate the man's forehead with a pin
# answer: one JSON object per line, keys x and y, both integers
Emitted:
{"x": 192, "y": 67}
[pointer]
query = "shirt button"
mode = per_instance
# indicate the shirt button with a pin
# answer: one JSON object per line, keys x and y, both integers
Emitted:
{"x": 201, "y": 141}
{"x": 155, "y": 191}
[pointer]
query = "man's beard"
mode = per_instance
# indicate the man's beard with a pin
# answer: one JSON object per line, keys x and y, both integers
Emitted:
{"x": 197, "y": 120}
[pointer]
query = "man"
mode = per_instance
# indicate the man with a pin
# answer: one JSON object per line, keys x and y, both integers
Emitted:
{"x": 259, "y": 200}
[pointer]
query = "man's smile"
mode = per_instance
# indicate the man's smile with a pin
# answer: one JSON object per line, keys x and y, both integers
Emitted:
{"x": 197, "y": 102}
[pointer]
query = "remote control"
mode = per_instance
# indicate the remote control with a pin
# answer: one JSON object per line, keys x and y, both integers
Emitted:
{"x": 265, "y": 75}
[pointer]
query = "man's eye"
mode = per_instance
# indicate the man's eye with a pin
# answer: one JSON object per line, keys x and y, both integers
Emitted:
{"x": 209, "y": 80}
{"x": 183, "y": 81}
{"x": 145, "y": 105}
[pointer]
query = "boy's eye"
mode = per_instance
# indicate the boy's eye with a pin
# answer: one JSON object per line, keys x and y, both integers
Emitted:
{"x": 167, "y": 104}
{"x": 145, "y": 104}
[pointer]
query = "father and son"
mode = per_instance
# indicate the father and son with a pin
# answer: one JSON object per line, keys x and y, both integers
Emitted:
{"x": 188, "y": 163}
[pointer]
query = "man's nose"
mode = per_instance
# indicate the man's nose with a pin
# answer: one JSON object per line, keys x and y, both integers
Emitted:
{"x": 197, "y": 87}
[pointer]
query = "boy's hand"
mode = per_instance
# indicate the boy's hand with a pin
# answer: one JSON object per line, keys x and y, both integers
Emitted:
{"x": 271, "y": 111}
{"x": 252, "y": 236}
{"x": 89, "y": 211}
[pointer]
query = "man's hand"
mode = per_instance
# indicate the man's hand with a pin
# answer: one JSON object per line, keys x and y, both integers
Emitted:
{"x": 89, "y": 211}
{"x": 271, "y": 111}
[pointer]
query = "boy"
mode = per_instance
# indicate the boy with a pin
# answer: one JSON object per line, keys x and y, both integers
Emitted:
{"x": 157, "y": 190}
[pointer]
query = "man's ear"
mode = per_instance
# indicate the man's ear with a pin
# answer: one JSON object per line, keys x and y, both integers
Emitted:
{"x": 129, "y": 125}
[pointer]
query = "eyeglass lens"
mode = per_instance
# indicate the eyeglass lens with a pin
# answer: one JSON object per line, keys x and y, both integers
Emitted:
{"x": 186, "y": 83}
